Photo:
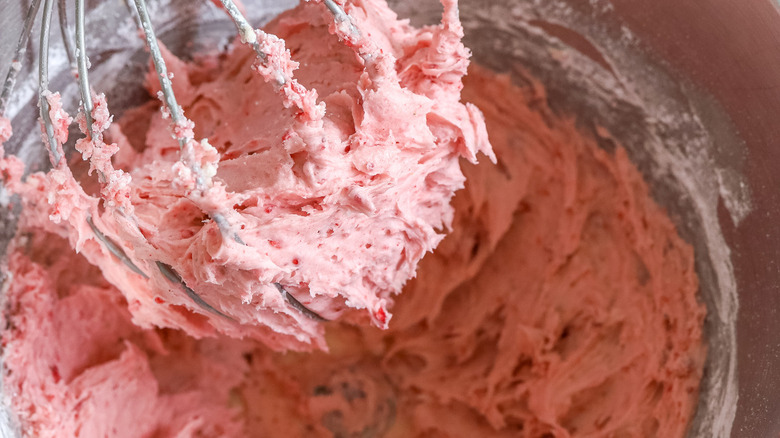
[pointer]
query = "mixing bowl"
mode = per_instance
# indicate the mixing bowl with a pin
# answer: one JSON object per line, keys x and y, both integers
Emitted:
{"x": 689, "y": 88}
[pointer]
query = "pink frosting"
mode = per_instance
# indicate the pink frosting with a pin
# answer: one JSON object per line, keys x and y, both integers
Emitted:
{"x": 333, "y": 177}
{"x": 561, "y": 303}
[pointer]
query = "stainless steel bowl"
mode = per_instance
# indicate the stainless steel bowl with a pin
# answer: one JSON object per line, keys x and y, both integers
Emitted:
{"x": 690, "y": 88}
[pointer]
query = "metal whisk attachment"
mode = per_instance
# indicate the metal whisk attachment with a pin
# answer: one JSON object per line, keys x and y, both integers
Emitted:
{"x": 292, "y": 92}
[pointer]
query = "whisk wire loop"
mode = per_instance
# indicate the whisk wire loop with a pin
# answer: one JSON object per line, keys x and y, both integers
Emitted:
{"x": 66, "y": 41}
{"x": 177, "y": 116}
{"x": 81, "y": 59}
{"x": 43, "y": 84}
{"x": 114, "y": 249}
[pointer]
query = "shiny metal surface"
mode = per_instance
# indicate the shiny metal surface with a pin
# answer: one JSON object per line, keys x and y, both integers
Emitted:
{"x": 732, "y": 50}
{"x": 728, "y": 53}
{"x": 695, "y": 81}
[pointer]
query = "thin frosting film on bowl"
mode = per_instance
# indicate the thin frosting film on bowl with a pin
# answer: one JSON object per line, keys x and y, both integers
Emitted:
{"x": 561, "y": 302}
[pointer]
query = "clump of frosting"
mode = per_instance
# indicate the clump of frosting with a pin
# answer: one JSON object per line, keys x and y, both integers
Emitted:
{"x": 298, "y": 186}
